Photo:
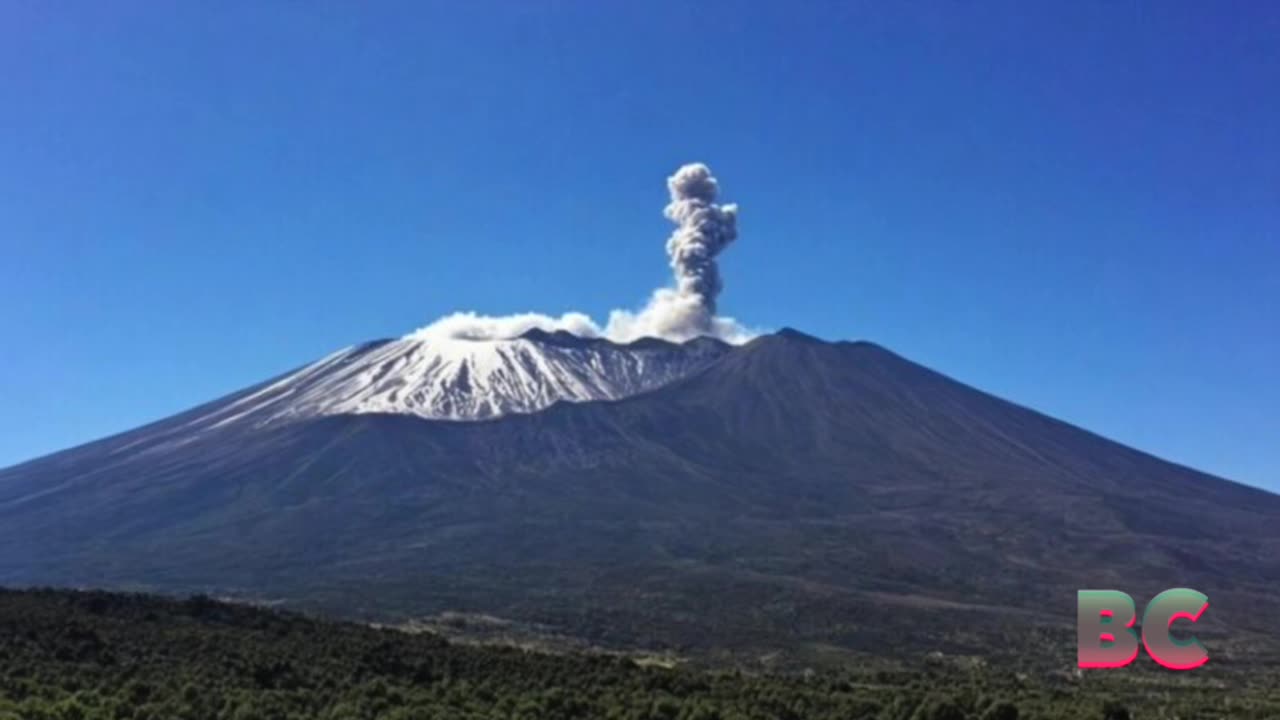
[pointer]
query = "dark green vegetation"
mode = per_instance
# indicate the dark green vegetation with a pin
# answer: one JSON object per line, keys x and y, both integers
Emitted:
{"x": 90, "y": 656}
{"x": 799, "y": 501}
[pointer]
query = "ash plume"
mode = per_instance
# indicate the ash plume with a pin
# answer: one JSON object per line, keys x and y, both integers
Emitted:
{"x": 705, "y": 230}
{"x": 681, "y": 312}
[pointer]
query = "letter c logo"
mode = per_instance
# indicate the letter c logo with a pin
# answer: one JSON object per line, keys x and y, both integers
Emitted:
{"x": 1157, "y": 623}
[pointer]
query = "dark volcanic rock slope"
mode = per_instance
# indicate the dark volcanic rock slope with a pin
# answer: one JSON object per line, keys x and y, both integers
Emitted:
{"x": 816, "y": 498}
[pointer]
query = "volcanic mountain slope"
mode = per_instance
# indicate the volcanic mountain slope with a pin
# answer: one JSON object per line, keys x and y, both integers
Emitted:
{"x": 447, "y": 378}
{"x": 814, "y": 498}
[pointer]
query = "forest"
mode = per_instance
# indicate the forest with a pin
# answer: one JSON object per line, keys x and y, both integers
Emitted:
{"x": 67, "y": 655}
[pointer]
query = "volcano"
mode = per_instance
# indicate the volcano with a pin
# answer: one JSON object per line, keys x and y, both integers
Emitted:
{"x": 785, "y": 498}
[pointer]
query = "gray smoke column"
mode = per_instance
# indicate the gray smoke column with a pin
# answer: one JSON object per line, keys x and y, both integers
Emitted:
{"x": 686, "y": 310}
{"x": 705, "y": 230}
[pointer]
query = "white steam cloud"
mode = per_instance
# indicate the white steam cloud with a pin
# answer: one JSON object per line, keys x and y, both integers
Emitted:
{"x": 687, "y": 310}
{"x": 470, "y": 326}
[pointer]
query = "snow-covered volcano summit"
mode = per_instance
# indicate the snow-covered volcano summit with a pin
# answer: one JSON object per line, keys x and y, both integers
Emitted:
{"x": 466, "y": 379}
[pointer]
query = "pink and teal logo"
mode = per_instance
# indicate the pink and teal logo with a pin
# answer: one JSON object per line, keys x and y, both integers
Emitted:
{"x": 1106, "y": 638}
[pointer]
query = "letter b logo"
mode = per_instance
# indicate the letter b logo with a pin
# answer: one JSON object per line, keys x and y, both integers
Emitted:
{"x": 1106, "y": 638}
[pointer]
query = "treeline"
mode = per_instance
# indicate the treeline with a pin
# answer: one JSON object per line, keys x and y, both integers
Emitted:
{"x": 99, "y": 656}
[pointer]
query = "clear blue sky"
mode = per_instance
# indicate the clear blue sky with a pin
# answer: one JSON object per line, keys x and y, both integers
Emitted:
{"x": 1074, "y": 205}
